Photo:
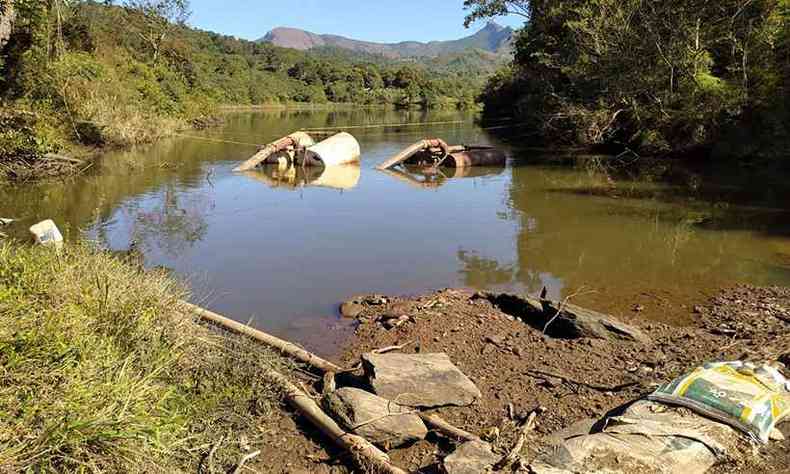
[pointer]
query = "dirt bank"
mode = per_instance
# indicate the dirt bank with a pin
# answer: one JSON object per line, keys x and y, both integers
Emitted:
{"x": 519, "y": 369}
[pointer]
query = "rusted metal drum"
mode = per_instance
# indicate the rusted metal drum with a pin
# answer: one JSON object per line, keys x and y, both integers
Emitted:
{"x": 476, "y": 157}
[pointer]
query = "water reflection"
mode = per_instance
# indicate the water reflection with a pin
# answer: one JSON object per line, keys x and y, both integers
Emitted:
{"x": 293, "y": 177}
{"x": 432, "y": 178}
{"x": 630, "y": 245}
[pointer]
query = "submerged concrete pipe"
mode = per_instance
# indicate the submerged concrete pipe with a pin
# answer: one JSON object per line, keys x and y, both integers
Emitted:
{"x": 280, "y": 150}
{"x": 338, "y": 149}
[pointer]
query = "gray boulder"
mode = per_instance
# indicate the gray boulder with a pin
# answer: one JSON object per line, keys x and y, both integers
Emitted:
{"x": 351, "y": 309}
{"x": 567, "y": 320}
{"x": 473, "y": 457}
{"x": 419, "y": 380}
{"x": 380, "y": 421}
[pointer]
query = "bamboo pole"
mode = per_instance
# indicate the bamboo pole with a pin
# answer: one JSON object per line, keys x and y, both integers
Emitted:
{"x": 364, "y": 452}
{"x": 285, "y": 347}
{"x": 307, "y": 405}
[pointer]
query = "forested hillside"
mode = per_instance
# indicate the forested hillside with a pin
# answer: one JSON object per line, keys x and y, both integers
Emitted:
{"x": 99, "y": 74}
{"x": 653, "y": 77}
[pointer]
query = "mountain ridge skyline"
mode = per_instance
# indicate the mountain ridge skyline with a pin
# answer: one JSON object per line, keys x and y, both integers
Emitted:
{"x": 493, "y": 38}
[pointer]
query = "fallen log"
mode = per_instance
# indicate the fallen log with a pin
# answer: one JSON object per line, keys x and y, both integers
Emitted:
{"x": 287, "y": 348}
{"x": 367, "y": 456}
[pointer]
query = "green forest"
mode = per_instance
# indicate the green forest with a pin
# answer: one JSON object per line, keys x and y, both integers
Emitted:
{"x": 676, "y": 77}
{"x": 669, "y": 77}
{"x": 101, "y": 74}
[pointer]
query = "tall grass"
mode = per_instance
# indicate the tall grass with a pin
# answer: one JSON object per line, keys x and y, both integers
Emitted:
{"x": 100, "y": 372}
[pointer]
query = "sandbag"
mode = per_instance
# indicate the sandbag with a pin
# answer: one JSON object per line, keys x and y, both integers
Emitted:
{"x": 646, "y": 437}
{"x": 751, "y": 398}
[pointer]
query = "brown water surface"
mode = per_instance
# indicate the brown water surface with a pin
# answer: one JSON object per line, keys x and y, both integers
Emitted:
{"x": 281, "y": 249}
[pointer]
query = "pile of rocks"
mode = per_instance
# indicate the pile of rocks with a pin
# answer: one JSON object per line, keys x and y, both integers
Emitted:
{"x": 388, "y": 412}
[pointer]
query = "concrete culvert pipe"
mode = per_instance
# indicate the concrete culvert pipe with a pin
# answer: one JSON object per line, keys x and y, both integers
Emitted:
{"x": 338, "y": 149}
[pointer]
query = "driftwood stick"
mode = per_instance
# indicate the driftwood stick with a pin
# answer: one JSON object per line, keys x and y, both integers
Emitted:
{"x": 385, "y": 350}
{"x": 515, "y": 453}
{"x": 244, "y": 460}
{"x": 364, "y": 453}
{"x": 68, "y": 159}
{"x": 436, "y": 423}
{"x": 285, "y": 347}
{"x": 600, "y": 388}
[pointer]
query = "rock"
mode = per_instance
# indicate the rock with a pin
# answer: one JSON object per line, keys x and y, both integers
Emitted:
{"x": 419, "y": 380}
{"x": 47, "y": 233}
{"x": 473, "y": 457}
{"x": 351, "y": 309}
{"x": 498, "y": 341}
{"x": 575, "y": 322}
{"x": 391, "y": 322}
{"x": 580, "y": 428}
{"x": 4, "y": 221}
{"x": 380, "y": 421}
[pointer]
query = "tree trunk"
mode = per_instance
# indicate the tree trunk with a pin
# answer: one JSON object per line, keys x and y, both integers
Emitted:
{"x": 6, "y": 20}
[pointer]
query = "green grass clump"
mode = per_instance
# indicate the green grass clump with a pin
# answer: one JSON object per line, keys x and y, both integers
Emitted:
{"x": 101, "y": 372}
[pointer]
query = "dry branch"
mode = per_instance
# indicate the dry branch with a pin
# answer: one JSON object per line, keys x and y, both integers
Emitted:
{"x": 285, "y": 347}
{"x": 515, "y": 453}
{"x": 600, "y": 388}
{"x": 438, "y": 424}
{"x": 364, "y": 453}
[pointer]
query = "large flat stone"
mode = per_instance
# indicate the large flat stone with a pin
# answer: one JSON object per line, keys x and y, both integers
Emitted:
{"x": 419, "y": 380}
{"x": 568, "y": 321}
{"x": 380, "y": 421}
{"x": 474, "y": 457}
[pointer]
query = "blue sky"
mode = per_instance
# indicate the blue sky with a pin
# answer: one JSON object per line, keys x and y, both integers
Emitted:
{"x": 371, "y": 20}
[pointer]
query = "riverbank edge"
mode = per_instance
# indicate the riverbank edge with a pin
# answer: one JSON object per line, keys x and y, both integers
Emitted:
{"x": 518, "y": 368}
{"x": 54, "y": 301}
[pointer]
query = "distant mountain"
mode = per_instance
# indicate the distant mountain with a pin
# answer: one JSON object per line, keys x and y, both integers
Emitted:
{"x": 493, "y": 38}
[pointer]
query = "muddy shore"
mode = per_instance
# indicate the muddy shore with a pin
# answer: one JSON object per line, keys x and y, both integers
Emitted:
{"x": 519, "y": 370}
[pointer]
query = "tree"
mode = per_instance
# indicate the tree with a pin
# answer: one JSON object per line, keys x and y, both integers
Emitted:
{"x": 152, "y": 20}
{"x": 659, "y": 75}
{"x": 481, "y": 9}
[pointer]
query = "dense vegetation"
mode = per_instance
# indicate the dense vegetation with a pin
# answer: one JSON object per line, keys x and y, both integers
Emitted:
{"x": 648, "y": 76}
{"x": 98, "y": 74}
{"x": 101, "y": 372}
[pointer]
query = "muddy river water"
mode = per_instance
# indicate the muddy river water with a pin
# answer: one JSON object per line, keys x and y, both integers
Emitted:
{"x": 281, "y": 251}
